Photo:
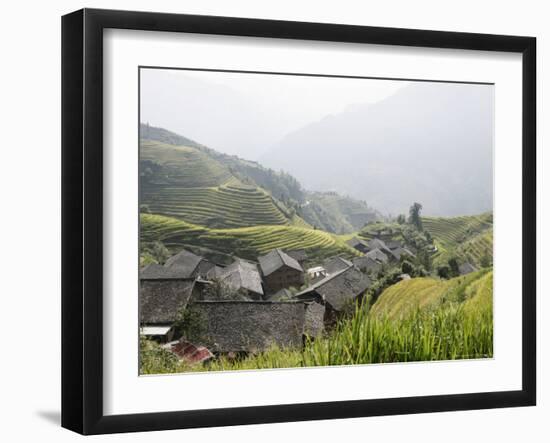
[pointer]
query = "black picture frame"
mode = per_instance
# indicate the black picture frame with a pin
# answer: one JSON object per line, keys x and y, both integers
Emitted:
{"x": 82, "y": 219}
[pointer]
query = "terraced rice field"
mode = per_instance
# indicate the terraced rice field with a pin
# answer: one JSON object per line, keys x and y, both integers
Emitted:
{"x": 477, "y": 247}
{"x": 185, "y": 183}
{"x": 224, "y": 206}
{"x": 183, "y": 166}
{"x": 248, "y": 242}
{"x": 403, "y": 298}
{"x": 451, "y": 232}
{"x": 469, "y": 237}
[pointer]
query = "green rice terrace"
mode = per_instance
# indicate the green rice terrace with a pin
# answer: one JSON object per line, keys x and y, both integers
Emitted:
{"x": 469, "y": 237}
{"x": 248, "y": 242}
{"x": 185, "y": 183}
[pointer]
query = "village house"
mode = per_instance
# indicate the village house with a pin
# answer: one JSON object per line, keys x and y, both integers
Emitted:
{"x": 189, "y": 265}
{"x": 300, "y": 255}
{"x": 253, "y": 326}
{"x": 359, "y": 245}
{"x": 337, "y": 292}
{"x": 398, "y": 252}
{"x": 393, "y": 244}
{"x": 377, "y": 255}
{"x": 466, "y": 268}
{"x": 335, "y": 264}
{"x": 242, "y": 276}
{"x": 367, "y": 264}
{"x": 162, "y": 298}
{"x": 379, "y": 244}
{"x": 279, "y": 270}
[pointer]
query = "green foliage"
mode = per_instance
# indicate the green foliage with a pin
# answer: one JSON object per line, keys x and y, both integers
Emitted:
{"x": 485, "y": 260}
{"x": 153, "y": 252}
{"x": 414, "y": 215}
{"x": 453, "y": 267}
{"x": 155, "y": 360}
{"x": 219, "y": 290}
{"x": 401, "y": 219}
{"x": 443, "y": 271}
{"x": 188, "y": 323}
{"x": 407, "y": 267}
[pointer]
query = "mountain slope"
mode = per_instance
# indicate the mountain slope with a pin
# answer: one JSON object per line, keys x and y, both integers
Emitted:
{"x": 184, "y": 179}
{"x": 470, "y": 238}
{"x": 429, "y": 142}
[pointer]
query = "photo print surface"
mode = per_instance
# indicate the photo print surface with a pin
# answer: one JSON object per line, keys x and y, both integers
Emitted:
{"x": 292, "y": 220}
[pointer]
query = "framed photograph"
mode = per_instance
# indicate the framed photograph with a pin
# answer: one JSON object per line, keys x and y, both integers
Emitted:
{"x": 268, "y": 221}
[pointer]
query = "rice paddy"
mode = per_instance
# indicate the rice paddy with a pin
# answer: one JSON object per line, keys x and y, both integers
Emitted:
{"x": 469, "y": 237}
{"x": 247, "y": 242}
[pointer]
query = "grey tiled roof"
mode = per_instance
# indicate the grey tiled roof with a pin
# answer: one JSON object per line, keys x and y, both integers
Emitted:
{"x": 252, "y": 326}
{"x": 297, "y": 254}
{"x": 161, "y": 301}
{"x": 242, "y": 274}
{"x": 155, "y": 271}
{"x": 184, "y": 262}
{"x": 276, "y": 259}
{"x": 353, "y": 242}
{"x": 377, "y": 254}
{"x": 338, "y": 289}
{"x": 335, "y": 264}
{"x": 366, "y": 263}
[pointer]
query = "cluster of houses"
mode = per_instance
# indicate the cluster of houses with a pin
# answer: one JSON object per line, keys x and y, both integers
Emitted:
{"x": 275, "y": 300}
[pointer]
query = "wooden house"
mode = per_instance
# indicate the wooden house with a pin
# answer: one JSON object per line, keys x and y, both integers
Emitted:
{"x": 337, "y": 292}
{"x": 279, "y": 270}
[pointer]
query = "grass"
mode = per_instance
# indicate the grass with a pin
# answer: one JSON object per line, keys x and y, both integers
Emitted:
{"x": 247, "y": 242}
{"x": 446, "y": 320}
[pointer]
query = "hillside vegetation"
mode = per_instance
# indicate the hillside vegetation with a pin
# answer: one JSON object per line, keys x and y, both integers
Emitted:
{"x": 185, "y": 183}
{"x": 469, "y": 237}
{"x": 183, "y": 179}
{"x": 248, "y": 242}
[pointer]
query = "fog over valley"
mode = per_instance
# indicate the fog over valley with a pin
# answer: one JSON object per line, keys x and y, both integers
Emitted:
{"x": 388, "y": 143}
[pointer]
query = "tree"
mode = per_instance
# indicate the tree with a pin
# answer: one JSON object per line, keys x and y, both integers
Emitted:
{"x": 401, "y": 219}
{"x": 414, "y": 215}
{"x": 425, "y": 259}
{"x": 443, "y": 271}
{"x": 429, "y": 238}
{"x": 219, "y": 290}
{"x": 453, "y": 267}
{"x": 407, "y": 267}
{"x": 485, "y": 261}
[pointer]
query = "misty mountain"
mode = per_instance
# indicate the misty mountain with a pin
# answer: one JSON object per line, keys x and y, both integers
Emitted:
{"x": 429, "y": 142}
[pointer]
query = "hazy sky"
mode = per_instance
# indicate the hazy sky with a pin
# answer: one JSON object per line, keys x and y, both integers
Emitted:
{"x": 384, "y": 141}
{"x": 245, "y": 114}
